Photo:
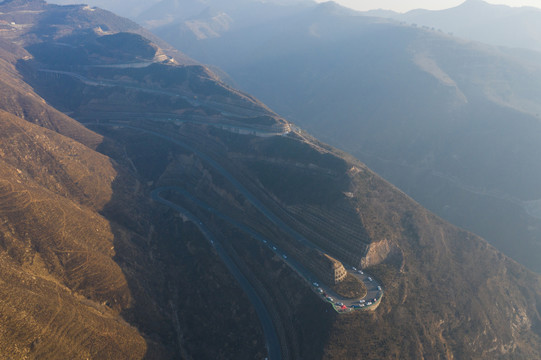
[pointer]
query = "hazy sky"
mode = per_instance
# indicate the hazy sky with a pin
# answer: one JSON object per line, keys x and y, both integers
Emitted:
{"x": 405, "y": 5}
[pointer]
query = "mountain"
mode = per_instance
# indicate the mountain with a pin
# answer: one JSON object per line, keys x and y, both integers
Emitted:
{"x": 196, "y": 220}
{"x": 163, "y": 12}
{"x": 85, "y": 274}
{"x": 129, "y": 9}
{"x": 451, "y": 122}
{"x": 516, "y": 27}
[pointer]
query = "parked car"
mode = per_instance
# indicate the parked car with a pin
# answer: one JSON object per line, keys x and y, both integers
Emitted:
{"x": 315, "y": 284}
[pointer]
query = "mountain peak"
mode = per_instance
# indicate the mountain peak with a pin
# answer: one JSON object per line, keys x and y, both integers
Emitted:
{"x": 332, "y": 7}
{"x": 470, "y": 3}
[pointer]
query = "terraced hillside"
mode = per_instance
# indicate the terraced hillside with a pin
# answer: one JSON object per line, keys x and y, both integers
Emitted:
{"x": 440, "y": 281}
{"x": 80, "y": 243}
{"x": 453, "y": 123}
{"x": 433, "y": 273}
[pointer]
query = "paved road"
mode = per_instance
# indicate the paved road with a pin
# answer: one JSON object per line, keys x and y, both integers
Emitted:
{"x": 169, "y": 118}
{"x": 371, "y": 285}
{"x": 271, "y": 337}
{"x": 249, "y": 108}
{"x": 373, "y": 293}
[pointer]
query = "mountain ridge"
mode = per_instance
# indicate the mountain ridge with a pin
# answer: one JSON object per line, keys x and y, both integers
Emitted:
{"x": 480, "y": 21}
{"x": 472, "y": 112}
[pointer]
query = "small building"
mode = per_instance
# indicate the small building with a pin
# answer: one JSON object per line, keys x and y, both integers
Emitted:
{"x": 338, "y": 271}
{"x": 327, "y": 268}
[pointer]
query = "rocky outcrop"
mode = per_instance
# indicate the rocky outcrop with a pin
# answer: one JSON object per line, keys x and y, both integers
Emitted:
{"x": 382, "y": 251}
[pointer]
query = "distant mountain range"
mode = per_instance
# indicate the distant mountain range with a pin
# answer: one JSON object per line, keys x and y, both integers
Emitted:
{"x": 516, "y": 27}
{"x": 452, "y": 122}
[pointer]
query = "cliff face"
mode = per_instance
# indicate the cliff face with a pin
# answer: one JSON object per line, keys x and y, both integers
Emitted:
{"x": 381, "y": 251}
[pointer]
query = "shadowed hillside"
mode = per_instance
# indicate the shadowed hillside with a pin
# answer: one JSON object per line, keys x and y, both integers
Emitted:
{"x": 453, "y": 123}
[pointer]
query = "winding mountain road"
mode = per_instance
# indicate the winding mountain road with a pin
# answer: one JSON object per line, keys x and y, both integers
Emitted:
{"x": 248, "y": 108}
{"x": 271, "y": 337}
{"x": 374, "y": 289}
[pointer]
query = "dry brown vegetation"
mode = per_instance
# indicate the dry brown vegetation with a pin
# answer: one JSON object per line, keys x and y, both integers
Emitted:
{"x": 444, "y": 286}
{"x": 350, "y": 288}
{"x": 61, "y": 290}
{"x": 90, "y": 267}
{"x": 56, "y": 162}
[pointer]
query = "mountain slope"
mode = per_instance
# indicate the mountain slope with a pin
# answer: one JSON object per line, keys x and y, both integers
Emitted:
{"x": 78, "y": 242}
{"x": 19, "y": 98}
{"x": 53, "y": 243}
{"x": 440, "y": 282}
{"x": 516, "y": 27}
{"x": 453, "y": 123}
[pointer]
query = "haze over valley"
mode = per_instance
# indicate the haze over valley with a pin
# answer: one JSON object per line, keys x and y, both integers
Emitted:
{"x": 452, "y": 122}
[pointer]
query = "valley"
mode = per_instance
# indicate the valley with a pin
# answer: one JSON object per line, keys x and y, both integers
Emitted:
{"x": 452, "y": 122}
